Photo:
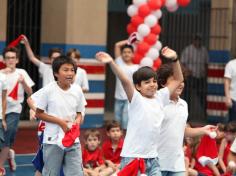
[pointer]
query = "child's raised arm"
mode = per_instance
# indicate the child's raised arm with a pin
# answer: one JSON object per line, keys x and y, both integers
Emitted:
{"x": 30, "y": 53}
{"x": 126, "y": 83}
{"x": 177, "y": 72}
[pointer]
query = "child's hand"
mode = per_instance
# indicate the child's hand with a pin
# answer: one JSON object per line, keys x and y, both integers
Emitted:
{"x": 4, "y": 124}
{"x": 64, "y": 126}
{"x": 32, "y": 114}
{"x": 103, "y": 57}
{"x": 24, "y": 39}
{"x": 169, "y": 53}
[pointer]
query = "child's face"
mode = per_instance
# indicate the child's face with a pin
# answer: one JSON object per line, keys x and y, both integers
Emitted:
{"x": 115, "y": 133}
{"x": 220, "y": 134}
{"x": 127, "y": 55}
{"x": 147, "y": 88}
{"x": 11, "y": 60}
{"x": 66, "y": 74}
{"x": 92, "y": 142}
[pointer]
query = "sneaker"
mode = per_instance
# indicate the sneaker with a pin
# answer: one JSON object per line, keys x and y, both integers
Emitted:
{"x": 11, "y": 160}
{"x": 2, "y": 171}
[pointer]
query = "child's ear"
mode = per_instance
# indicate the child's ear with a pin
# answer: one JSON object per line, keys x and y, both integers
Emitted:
{"x": 17, "y": 60}
{"x": 138, "y": 87}
{"x": 108, "y": 134}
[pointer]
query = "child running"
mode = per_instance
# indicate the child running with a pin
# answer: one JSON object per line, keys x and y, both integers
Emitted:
{"x": 145, "y": 110}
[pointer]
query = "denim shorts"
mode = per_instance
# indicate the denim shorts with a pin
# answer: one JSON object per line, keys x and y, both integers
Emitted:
{"x": 152, "y": 165}
{"x": 70, "y": 159}
{"x": 232, "y": 112}
{"x": 121, "y": 112}
{"x": 12, "y": 120}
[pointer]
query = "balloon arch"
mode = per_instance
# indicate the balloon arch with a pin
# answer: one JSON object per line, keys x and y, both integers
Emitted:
{"x": 144, "y": 23}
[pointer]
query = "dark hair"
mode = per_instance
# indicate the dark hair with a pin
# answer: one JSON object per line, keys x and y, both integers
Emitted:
{"x": 143, "y": 74}
{"x": 220, "y": 126}
{"x": 163, "y": 73}
{"x": 126, "y": 46}
{"x": 112, "y": 124}
{"x": 54, "y": 50}
{"x": 73, "y": 50}
{"x": 92, "y": 132}
{"x": 11, "y": 49}
{"x": 59, "y": 61}
{"x": 231, "y": 127}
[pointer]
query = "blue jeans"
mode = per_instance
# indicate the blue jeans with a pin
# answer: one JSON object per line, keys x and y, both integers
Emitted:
{"x": 12, "y": 120}
{"x": 70, "y": 159}
{"x": 121, "y": 112}
{"x": 168, "y": 173}
{"x": 152, "y": 165}
{"x": 232, "y": 112}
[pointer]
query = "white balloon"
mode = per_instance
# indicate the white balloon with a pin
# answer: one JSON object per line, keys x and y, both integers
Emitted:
{"x": 213, "y": 134}
{"x": 139, "y": 2}
{"x": 153, "y": 53}
{"x": 132, "y": 10}
{"x": 173, "y": 8}
{"x": 157, "y": 14}
{"x": 143, "y": 30}
{"x": 150, "y": 20}
{"x": 158, "y": 45}
{"x": 170, "y": 3}
{"x": 146, "y": 61}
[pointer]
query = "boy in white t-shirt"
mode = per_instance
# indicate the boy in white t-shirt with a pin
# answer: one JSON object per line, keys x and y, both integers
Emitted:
{"x": 81, "y": 75}
{"x": 61, "y": 104}
{"x": 18, "y": 82}
{"x": 173, "y": 127}
{"x": 145, "y": 110}
{"x": 230, "y": 88}
{"x": 44, "y": 69}
{"x": 3, "y": 124}
{"x": 123, "y": 57}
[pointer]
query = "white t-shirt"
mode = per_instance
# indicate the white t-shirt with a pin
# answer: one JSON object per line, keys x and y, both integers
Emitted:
{"x": 46, "y": 72}
{"x": 145, "y": 118}
{"x": 230, "y": 72}
{"x": 128, "y": 70}
{"x": 3, "y": 86}
{"x": 170, "y": 145}
{"x": 61, "y": 104}
{"x": 81, "y": 78}
{"x": 233, "y": 147}
{"x": 195, "y": 59}
{"x": 11, "y": 81}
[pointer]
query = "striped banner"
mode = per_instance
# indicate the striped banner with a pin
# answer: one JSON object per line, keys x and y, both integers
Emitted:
{"x": 216, "y": 109}
{"x": 94, "y": 115}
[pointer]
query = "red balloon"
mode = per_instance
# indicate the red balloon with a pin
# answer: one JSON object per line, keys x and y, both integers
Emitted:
{"x": 137, "y": 20}
{"x": 144, "y": 10}
{"x": 131, "y": 28}
{"x": 156, "y": 29}
{"x": 137, "y": 58}
{"x": 142, "y": 48}
{"x": 183, "y": 3}
{"x": 154, "y": 4}
{"x": 157, "y": 63}
{"x": 150, "y": 39}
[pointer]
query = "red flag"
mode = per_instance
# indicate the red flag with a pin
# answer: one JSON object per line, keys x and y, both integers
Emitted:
{"x": 133, "y": 168}
{"x": 16, "y": 41}
{"x": 70, "y": 136}
{"x": 14, "y": 93}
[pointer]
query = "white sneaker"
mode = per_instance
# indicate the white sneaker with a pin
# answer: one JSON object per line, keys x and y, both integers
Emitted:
{"x": 11, "y": 160}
